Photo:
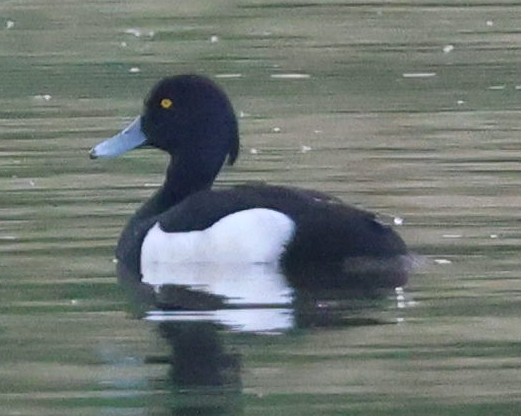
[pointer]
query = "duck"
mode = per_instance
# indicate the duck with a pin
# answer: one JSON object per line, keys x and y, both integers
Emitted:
{"x": 314, "y": 238}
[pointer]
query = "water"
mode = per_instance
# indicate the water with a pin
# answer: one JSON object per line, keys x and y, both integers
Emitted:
{"x": 410, "y": 109}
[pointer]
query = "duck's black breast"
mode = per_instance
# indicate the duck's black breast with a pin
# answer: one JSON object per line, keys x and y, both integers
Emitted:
{"x": 326, "y": 230}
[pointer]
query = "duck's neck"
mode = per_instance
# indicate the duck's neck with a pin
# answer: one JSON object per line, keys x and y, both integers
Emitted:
{"x": 183, "y": 178}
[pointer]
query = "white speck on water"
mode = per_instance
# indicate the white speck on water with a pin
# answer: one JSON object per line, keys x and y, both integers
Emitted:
{"x": 318, "y": 132}
{"x": 134, "y": 70}
{"x": 305, "y": 149}
{"x": 518, "y": 87}
{"x": 400, "y": 320}
{"x": 151, "y": 185}
{"x": 399, "y": 290}
{"x": 32, "y": 183}
{"x": 9, "y": 24}
{"x": 7, "y": 237}
{"x": 497, "y": 87}
{"x": 242, "y": 114}
{"x": 398, "y": 221}
{"x": 460, "y": 102}
{"x": 290, "y": 76}
{"x": 276, "y": 130}
{"x": 448, "y": 48}
{"x": 228, "y": 75}
{"x": 115, "y": 260}
{"x": 494, "y": 236}
{"x": 490, "y": 23}
{"x": 214, "y": 39}
{"x": 74, "y": 301}
{"x": 253, "y": 151}
{"x": 134, "y": 32}
{"x": 42, "y": 97}
{"x": 452, "y": 235}
{"x": 418, "y": 74}
{"x": 442, "y": 261}
{"x": 123, "y": 44}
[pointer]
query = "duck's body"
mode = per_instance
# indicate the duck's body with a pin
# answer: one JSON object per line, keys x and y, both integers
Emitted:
{"x": 186, "y": 221}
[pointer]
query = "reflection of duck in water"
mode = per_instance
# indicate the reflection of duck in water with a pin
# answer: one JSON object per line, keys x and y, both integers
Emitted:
{"x": 200, "y": 373}
{"x": 318, "y": 241}
{"x": 198, "y": 356}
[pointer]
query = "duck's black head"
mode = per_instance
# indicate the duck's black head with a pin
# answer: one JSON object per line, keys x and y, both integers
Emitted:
{"x": 188, "y": 116}
{"x": 189, "y": 113}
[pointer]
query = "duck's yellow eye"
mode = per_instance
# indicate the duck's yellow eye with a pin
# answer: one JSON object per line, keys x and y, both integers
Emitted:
{"x": 166, "y": 103}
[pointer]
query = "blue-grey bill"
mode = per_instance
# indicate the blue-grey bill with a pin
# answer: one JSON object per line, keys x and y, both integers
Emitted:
{"x": 128, "y": 139}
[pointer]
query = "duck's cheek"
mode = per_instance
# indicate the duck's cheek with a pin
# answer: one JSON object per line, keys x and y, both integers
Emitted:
{"x": 251, "y": 236}
{"x": 160, "y": 133}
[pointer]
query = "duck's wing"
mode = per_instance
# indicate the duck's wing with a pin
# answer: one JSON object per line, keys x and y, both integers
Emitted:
{"x": 203, "y": 209}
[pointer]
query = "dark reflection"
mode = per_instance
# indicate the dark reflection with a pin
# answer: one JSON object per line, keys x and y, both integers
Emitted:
{"x": 198, "y": 357}
{"x": 198, "y": 316}
{"x": 204, "y": 374}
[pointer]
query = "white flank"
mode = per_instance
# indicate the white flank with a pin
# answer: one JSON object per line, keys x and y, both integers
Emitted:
{"x": 256, "y": 235}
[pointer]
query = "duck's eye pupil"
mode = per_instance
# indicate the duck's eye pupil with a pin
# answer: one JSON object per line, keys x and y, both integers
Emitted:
{"x": 166, "y": 103}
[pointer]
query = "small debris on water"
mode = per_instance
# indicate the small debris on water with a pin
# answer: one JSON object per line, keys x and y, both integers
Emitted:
{"x": 290, "y": 76}
{"x": 214, "y": 39}
{"x": 276, "y": 130}
{"x": 228, "y": 75}
{"x": 134, "y": 70}
{"x": 442, "y": 261}
{"x": 134, "y": 32}
{"x": 43, "y": 97}
{"x": 418, "y": 74}
{"x": 253, "y": 151}
{"x": 398, "y": 221}
{"x": 448, "y": 48}
{"x": 9, "y": 24}
{"x": 305, "y": 149}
